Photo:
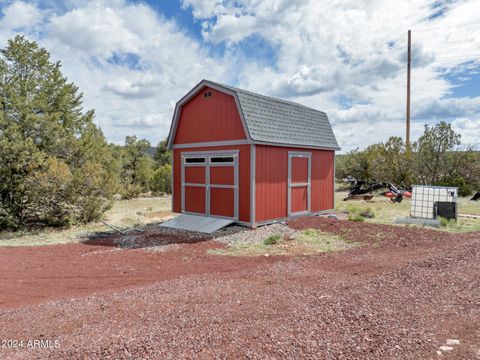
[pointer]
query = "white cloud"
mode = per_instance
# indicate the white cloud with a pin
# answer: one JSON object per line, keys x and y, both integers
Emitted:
{"x": 203, "y": 9}
{"x": 470, "y": 130}
{"x": 131, "y": 63}
{"x": 344, "y": 57}
{"x": 96, "y": 28}
{"x": 355, "y": 50}
{"x": 155, "y": 120}
{"x": 143, "y": 86}
{"x": 19, "y": 15}
{"x": 231, "y": 28}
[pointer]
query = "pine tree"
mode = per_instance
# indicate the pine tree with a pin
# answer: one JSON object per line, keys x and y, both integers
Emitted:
{"x": 55, "y": 166}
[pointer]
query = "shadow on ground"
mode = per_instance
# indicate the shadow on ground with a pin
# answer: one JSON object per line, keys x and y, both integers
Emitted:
{"x": 154, "y": 235}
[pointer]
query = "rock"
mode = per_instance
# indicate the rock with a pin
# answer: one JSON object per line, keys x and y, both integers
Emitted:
{"x": 446, "y": 348}
{"x": 453, "y": 342}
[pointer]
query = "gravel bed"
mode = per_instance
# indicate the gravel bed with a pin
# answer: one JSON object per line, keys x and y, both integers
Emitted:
{"x": 418, "y": 221}
{"x": 163, "y": 248}
{"x": 157, "y": 237}
{"x": 257, "y": 235}
{"x": 339, "y": 215}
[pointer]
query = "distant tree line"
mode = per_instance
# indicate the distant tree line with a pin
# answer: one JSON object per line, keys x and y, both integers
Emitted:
{"x": 435, "y": 159}
{"x": 56, "y": 167}
{"x": 139, "y": 171}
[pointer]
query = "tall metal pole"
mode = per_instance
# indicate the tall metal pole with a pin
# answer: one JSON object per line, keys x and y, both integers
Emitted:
{"x": 409, "y": 62}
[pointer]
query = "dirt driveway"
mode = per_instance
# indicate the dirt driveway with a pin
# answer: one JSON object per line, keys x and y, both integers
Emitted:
{"x": 402, "y": 295}
{"x": 31, "y": 275}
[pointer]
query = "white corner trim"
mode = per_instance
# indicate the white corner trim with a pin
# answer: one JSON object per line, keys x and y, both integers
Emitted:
{"x": 252, "y": 183}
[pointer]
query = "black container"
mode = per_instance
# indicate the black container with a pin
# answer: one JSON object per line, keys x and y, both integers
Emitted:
{"x": 448, "y": 210}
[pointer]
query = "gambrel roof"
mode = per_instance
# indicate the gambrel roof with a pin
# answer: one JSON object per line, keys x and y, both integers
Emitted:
{"x": 272, "y": 121}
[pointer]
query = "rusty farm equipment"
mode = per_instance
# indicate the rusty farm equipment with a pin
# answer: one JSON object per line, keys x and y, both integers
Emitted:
{"x": 363, "y": 190}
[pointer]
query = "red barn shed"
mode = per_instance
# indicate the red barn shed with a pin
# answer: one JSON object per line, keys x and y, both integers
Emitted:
{"x": 249, "y": 158}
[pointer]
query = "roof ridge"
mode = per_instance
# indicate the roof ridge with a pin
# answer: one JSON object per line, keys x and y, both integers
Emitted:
{"x": 279, "y": 121}
{"x": 264, "y": 96}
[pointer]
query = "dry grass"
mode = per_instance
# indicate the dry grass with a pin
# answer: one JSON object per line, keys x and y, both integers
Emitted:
{"x": 306, "y": 242}
{"x": 386, "y": 212}
{"x": 123, "y": 214}
{"x": 143, "y": 211}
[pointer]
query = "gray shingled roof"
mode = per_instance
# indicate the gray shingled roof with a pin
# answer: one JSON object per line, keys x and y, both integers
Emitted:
{"x": 279, "y": 121}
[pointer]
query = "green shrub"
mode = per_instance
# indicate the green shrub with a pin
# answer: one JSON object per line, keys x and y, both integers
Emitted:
{"x": 94, "y": 208}
{"x": 368, "y": 213}
{"x": 310, "y": 232}
{"x": 272, "y": 240}
{"x": 444, "y": 222}
{"x": 7, "y": 220}
{"x": 131, "y": 191}
{"x": 355, "y": 217}
{"x": 351, "y": 208}
{"x": 162, "y": 180}
{"x": 357, "y": 213}
{"x": 464, "y": 189}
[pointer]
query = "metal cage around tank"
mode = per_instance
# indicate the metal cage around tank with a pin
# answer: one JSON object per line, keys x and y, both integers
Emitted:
{"x": 425, "y": 197}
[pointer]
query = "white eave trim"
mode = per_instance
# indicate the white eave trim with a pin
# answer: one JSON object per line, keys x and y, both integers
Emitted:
{"x": 268, "y": 143}
{"x": 246, "y": 142}
{"x": 212, "y": 143}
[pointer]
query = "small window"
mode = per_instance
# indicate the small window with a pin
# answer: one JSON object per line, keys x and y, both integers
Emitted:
{"x": 221, "y": 160}
{"x": 196, "y": 160}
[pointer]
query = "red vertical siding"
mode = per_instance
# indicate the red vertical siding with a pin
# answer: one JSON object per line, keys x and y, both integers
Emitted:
{"x": 213, "y": 118}
{"x": 299, "y": 199}
{"x": 222, "y": 202}
{"x": 195, "y": 199}
{"x": 322, "y": 180}
{"x": 223, "y": 175}
{"x": 195, "y": 174}
{"x": 271, "y": 173}
{"x": 299, "y": 170}
{"x": 243, "y": 178}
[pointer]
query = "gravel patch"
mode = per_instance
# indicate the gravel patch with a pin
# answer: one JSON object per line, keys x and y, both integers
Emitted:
{"x": 229, "y": 230}
{"x": 161, "y": 238}
{"x": 257, "y": 235}
{"x": 339, "y": 215}
{"x": 418, "y": 221}
{"x": 158, "y": 237}
{"x": 162, "y": 248}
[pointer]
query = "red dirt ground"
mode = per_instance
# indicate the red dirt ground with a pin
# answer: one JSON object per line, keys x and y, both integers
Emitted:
{"x": 401, "y": 295}
{"x": 36, "y": 274}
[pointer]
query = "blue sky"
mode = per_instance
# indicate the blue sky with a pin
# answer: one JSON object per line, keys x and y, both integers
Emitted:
{"x": 134, "y": 59}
